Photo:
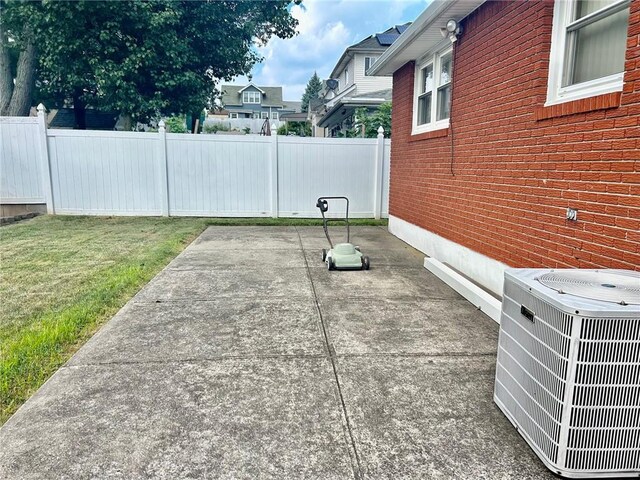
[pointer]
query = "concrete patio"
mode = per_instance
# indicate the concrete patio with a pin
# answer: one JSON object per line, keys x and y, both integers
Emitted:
{"x": 246, "y": 358}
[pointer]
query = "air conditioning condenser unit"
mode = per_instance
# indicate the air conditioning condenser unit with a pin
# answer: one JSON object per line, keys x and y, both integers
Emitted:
{"x": 568, "y": 368}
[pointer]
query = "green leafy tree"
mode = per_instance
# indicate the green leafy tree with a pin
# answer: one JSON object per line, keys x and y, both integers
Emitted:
{"x": 371, "y": 121}
{"x": 137, "y": 57}
{"x": 301, "y": 129}
{"x": 314, "y": 86}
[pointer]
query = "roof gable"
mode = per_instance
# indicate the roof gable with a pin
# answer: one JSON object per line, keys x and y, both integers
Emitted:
{"x": 376, "y": 43}
{"x": 232, "y": 94}
{"x": 251, "y": 86}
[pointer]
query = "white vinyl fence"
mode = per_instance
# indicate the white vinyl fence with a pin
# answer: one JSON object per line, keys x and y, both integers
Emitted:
{"x": 124, "y": 173}
{"x": 20, "y": 161}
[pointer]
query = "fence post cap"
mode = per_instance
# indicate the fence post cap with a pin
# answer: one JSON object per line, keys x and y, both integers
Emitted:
{"x": 41, "y": 108}
{"x": 380, "y": 130}
{"x": 161, "y": 124}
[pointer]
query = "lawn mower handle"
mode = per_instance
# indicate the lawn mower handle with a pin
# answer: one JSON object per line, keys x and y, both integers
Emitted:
{"x": 323, "y": 205}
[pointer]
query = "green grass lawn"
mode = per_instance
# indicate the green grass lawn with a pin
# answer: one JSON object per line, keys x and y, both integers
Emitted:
{"x": 62, "y": 277}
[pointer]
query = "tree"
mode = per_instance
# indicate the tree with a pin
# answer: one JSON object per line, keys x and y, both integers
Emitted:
{"x": 371, "y": 121}
{"x": 314, "y": 86}
{"x": 17, "y": 56}
{"x": 137, "y": 57}
{"x": 301, "y": 129}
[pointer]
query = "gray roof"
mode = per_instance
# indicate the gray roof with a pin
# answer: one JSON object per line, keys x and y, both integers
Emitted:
{"x": 295, "y": 106}
{"x": 231, "y": 95}
{"x": 381, "y": 40}
{"x": 294, "y": 117}
{"x": 346, "y": 106}
{"x": 377, "y": 43}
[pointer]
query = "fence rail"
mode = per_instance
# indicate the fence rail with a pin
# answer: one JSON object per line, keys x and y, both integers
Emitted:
{"x": 126, "y": 173}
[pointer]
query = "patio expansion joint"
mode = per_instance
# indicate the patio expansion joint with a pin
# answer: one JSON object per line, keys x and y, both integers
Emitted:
{"x": 416, "y": 355}
{"x": 205, "y": 300}
{"x": 357, "y": 469}
{"x": 196, "y": 360}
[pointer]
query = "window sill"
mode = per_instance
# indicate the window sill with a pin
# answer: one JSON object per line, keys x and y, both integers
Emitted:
{"x": 441, "y": 132}
{"x": 599, "y": 102}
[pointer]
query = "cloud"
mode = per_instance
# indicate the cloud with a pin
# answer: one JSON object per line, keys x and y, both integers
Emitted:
{"x": 326, "y": 28}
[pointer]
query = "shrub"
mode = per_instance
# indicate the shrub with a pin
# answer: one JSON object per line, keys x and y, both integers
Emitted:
{"x": 215, "y": 127}
{"x": 302, "y": 129}
{"x": 176, "y": 125}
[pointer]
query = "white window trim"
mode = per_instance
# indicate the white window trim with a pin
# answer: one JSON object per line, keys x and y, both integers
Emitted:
{"x": 233, "y": 115}
{"x": 274, "y": 115}
{"x": 248, "y": 95}
{"x": 372, "y": 60}
{"x": 264, "y": 115}
{"x": 431, "y": 59}
{"x": 556, "y": 93}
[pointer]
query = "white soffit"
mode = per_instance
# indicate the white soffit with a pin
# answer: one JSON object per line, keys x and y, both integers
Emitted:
{"x": 423, "y": 34}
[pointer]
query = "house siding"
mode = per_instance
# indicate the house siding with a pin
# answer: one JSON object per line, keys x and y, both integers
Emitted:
{"x": 343, "y": 86}
{"x": 517, "y": 165}
{"x": 368, "y": 84}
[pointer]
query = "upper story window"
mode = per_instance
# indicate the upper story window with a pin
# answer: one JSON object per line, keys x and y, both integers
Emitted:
{"x": 251, "y": 97}
{"x": 368, "y": 62}
{"x": 346, "y": 76}
{"x": 432, "y": 99}
{"x": 588, "y": 48}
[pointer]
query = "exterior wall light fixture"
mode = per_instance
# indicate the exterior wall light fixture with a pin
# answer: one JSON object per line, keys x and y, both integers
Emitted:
{"x": 451, "y": 30}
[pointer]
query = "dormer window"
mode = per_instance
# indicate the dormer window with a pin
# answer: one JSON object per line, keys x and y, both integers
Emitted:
{"x": 251, "y": 97}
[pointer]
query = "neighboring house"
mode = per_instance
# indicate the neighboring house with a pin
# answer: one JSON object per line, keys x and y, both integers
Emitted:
{"x": 218, "y": 114}
{"x": 353, "y": 88}
{"x": 291, "y": 107}
{"x": 533, "y": 110}
{"x": 294, "y": 117}
{"x": 252, "y": 101}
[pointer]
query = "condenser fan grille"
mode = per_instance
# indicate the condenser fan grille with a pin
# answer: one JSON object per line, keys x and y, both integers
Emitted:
{"x": 606, "y": 286}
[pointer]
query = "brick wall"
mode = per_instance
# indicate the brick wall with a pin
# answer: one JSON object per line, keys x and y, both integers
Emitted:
{"x": 500, "y": 179}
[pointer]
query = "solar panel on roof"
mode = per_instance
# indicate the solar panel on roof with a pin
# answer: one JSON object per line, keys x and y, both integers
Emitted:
{"x": 402, "y": 28}
{"x": 386, "y": 38}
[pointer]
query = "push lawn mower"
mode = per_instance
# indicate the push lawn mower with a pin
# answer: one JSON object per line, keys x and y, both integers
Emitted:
{"x": 342, "y": 256}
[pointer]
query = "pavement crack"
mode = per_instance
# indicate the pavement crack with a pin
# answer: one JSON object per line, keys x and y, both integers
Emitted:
{"x": 416, "y": 355}
{"x": 358, "y": 474}
{"x": 192, "y": 360}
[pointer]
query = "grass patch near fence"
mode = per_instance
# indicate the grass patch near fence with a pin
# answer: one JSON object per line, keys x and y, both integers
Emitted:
{"x": 62, "y": 277}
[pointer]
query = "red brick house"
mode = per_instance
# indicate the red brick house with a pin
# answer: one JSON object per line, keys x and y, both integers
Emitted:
{"x": 533, "y": 109}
